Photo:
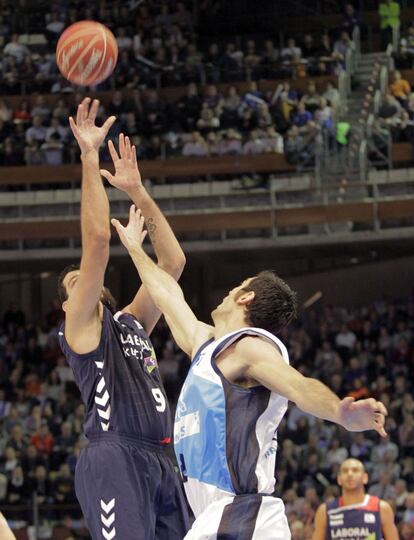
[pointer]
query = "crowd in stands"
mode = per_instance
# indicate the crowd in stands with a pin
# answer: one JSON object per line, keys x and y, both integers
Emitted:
{"x": 366, "y": 351}
{"x": 396, "y": 112}
{"x": 203, "y": 122}
{"x": 158, "y": 45}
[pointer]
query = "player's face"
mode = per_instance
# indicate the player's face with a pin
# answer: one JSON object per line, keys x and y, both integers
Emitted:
{"x": 228, "y": 303}
{"x": 352, "y": 475}
{"x": 69, "y": 282}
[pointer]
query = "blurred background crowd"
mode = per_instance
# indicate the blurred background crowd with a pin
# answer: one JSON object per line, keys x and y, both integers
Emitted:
{"x": 361, "y": 352}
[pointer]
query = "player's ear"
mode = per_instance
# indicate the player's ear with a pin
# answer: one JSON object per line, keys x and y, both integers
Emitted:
{"x": 365, "y": 478}
{"x": 245, "y": 297}
{"x": 65, "y": 303}
{"x": 338, "y": 479}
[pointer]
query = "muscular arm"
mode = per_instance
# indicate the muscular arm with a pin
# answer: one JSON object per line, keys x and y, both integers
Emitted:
{"x": 5, "y": 532}
{"x": 388, "y": 522}
{"x": 83, "y": 326}
{"x": 319, "y": 532}
{"x": 167, "y": 249}
{"x": 188, "y": 331}
{"x": 259, "y": 360}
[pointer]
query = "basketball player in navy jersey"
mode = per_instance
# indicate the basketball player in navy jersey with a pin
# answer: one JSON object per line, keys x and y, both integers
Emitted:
{"x": 354, "y": 515}
{"x": 234, "y": 398}
{"x": 125, "y": 483}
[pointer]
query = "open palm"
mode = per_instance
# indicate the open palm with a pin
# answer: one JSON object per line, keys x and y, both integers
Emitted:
{"x": 133, "y": 234}
{"x": 89, "y": 136}
{"x": 127, "y": 176}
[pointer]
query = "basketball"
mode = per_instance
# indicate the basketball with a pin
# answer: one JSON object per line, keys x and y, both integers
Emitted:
{"x": 86, "y": 53}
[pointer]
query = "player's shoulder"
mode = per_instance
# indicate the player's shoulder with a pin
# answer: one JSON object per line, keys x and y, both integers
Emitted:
{"x": 323, "y": 507}
{"x": 385, "y": 506}
{"x": 203, "y": 333}
{"x": 255, "y": 345}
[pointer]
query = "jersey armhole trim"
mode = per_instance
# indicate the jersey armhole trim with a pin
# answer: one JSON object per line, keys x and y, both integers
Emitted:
{"x": 94, "y": 352}
{"x": 201, "y": 348}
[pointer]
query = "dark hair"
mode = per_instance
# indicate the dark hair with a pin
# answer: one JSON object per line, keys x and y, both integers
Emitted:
{"x": 274, "y": 305}
{"x": 106, "y": 297}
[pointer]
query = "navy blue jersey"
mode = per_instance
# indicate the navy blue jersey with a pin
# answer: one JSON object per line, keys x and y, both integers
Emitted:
{"x": 120, "y": 383}
{"x": 354, "y": 522}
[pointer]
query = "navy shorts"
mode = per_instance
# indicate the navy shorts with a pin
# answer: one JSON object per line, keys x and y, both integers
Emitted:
{"x": 128, "y": 490}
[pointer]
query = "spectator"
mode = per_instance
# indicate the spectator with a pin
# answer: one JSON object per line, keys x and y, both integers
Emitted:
{"x": 408, "y": 515}
{"x": 255, "y": 145}
{"x": 230, "y": 143}
{"x": 351, "y": 19}
{"x": 389, "y": 12}
{"x": 197, "y": 146}
{"x": 312, "y": 98}
{"x": 37, "y": 132}
{"x": 400, "y": 88}
{"x": 302, "y": 116}
{"x": 341, "y": 47}
{"x": 15, "y": 49}
{"x": 291, "y": 51}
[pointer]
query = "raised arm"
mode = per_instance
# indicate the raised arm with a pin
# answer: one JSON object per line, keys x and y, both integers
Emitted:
{"x": 188, "y": 332}
{"x": 259, "y": 360}
{"x": 169, "y": 254}
{"x": 83, "y": 327}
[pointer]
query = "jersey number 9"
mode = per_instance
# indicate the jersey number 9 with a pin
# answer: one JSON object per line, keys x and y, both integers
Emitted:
{"x": 160, "y": 399}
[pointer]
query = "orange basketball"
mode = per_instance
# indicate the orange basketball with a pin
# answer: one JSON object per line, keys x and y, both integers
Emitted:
{"x": 86, "y": 53}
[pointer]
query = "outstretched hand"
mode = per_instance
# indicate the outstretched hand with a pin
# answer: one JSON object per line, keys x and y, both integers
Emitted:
{"x": 127, "y": 176}
{"x": 132, "y": 236}
{"x": 363, "y": 415}
{"x": 89, "y": 136}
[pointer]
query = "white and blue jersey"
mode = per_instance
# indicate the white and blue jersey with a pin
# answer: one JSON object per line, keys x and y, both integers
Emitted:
{"x": 225, "y": 435}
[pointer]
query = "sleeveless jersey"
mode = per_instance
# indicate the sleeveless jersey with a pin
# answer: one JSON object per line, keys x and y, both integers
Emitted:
{"x": 360, "y": 521}
{"x": 225, "y": 435}
{"x": 119, "y": 382}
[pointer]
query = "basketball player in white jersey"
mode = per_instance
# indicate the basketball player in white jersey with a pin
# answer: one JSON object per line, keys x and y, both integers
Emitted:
{"x": 234, "y": 398}
{"x": 5, "y": 531}
{"x": 354, "y": 514}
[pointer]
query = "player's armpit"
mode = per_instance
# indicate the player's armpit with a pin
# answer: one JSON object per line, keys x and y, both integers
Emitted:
{"x": 319, "y": 532}
{"x": 389, "y": 529}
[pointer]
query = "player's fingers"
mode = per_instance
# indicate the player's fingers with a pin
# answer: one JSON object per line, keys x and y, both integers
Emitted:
{"x": 132, "y": 213}
{"x": 106, "y": 174}
{"x": 108, "y": 124}
{"x": 134, "y": 155}
{"x": 79, "y": 114}
{"x": 73, "y": 126}
{"x": 112, "y": 151}
{"x": 381, "y": 408}
{"x": 381, "y": 430}
{"x": 116, "y": 224}
{"x": 143, "y": 235}
{"x": 128, "y": 147}
{"x": 121, "y": 145}
{"x": 93, "y": 111}
{"x": 85, "y": 108}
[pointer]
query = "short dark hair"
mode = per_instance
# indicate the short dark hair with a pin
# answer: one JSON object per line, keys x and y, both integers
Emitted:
{"x": 61, "y": 289}
{"x": 106, "y": 298}
{"x": 274, "y": 305}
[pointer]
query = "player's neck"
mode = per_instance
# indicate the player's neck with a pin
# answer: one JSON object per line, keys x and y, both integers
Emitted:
{"x": 353, "y": 497}
{"x": 227, "y": 324}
